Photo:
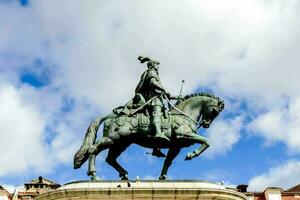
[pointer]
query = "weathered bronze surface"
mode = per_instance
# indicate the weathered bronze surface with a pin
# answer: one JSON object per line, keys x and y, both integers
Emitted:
{"x": 146, "y": 121}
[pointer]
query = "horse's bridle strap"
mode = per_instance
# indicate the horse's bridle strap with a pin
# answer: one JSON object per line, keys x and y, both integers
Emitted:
{"x": 198, "y": 124}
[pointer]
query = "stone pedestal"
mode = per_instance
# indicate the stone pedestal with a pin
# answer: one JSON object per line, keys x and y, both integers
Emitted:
{"x": 138, "y": 190}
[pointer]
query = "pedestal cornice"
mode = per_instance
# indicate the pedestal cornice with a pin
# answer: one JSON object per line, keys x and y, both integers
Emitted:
{"x": 142, "y": 190}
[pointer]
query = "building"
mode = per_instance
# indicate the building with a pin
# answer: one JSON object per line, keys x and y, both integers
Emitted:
{"x": 31, "y": 189}
{"x": 4, "y": 194}
{"x": 272, "y": 193}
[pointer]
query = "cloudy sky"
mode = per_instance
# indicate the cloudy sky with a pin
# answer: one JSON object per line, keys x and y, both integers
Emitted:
{"x": 63, "y": 63}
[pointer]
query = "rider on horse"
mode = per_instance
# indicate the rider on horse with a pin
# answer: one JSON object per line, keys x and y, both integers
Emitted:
{"x": 148, "y": 98}
{"x": 151, "y": 89}
{"x": 122, "y": 127}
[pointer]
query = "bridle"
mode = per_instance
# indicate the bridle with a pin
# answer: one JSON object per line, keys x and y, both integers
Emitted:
{"x": 198, "y": 123}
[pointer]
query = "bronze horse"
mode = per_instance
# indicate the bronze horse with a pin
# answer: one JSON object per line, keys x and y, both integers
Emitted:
{"x": 180, "y": 125}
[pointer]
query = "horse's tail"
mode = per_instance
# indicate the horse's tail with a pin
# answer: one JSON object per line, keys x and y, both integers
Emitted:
{"x": 89, "y": 139}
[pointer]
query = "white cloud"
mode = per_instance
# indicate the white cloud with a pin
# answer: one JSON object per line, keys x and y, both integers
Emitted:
{"x": 285, "y": 175}
{"x": 96, "y": 45}
{"x": 223, "y": 135}
{"x": 280, "y": 124}
{"x": 34, "y": 133}
{"x": 245, "y": 50}
{"x": 11, "y": 188}
{"x": 21, "y": 129}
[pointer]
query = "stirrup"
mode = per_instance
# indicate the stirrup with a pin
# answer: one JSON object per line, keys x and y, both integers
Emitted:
{"x": 158, "y": 153}
{"x": 162, "y": 136}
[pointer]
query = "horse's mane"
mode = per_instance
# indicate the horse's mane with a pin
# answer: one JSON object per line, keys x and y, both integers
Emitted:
{"x": 196, "y": 95}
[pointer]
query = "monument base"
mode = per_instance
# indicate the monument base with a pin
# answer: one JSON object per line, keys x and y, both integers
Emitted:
{"x": 128, "y": 190}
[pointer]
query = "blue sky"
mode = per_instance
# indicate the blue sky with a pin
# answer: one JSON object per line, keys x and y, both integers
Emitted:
{"x": 64, "y": 63}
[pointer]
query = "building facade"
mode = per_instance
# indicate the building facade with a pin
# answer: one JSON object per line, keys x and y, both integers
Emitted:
{"x": 30, "y": 190}
{"x": 272, "y": 193}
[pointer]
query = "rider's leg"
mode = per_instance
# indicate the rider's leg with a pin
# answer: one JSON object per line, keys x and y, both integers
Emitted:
{"x": 156, "y": 122}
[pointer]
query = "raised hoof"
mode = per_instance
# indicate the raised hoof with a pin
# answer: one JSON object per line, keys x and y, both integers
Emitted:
{"x": 189, "y": 156}
{"x": 124, "y": 176}
{"x": 163, "y": 177}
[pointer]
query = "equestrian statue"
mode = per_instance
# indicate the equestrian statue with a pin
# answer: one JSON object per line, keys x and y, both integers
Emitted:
{"x": 148, "y": 121}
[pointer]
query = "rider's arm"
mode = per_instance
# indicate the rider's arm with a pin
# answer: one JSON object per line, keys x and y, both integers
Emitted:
{"x": 174, "y": 97}
{"x": 156, "y": 85}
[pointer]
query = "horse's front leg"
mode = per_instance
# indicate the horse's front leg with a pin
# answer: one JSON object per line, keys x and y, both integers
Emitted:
{"x": 92, "y": 168}
{"x": 200, "y": 140}
{"x": 172, "y": 153}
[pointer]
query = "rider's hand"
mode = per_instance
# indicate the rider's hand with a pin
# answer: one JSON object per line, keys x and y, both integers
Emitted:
{"x": 168, "y": 95}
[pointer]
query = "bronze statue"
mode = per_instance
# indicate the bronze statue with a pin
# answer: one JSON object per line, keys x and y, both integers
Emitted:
{"x": 150, "y": 88}
{"x": 141, "y": 121}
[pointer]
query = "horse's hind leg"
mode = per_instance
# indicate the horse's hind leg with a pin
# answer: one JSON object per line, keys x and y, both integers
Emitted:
{"x": 92, "y": 168}
{"x": 95, "y": 149}
{"x": 172, "y": 153}
{"x": 113, "y": 153}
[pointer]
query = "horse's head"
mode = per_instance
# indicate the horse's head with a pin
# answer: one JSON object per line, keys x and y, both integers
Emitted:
{"x": 210, "y": 111}
{"x": 198, "y": 106}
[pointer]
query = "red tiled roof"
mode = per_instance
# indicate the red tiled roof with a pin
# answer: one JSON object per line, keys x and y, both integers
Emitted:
{"x": 293, "y": 189}
{"x": 260, "y": 196}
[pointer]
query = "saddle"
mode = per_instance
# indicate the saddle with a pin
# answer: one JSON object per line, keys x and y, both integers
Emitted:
{"x": 144, "y": 120}
{"x": 131, "y": 106}
{"x": 141, "y": 120}
{"x": 134, "y": 112}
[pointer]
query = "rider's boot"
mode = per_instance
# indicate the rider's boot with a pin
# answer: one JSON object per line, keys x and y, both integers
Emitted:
{"x": 158, "y": 133}
{"x": 156, "y": 123}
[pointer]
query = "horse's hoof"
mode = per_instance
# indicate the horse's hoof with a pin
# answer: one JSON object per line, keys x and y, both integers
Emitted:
{"x": 91, "y": 173}
{"x": 124, "y": 176}
{"x": 95, "y": 178}
{"x": 163, "y": 177}
{"x": 189, "y": 156}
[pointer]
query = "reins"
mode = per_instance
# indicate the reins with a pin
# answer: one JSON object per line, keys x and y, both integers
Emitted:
{"x": 198, "y": 124}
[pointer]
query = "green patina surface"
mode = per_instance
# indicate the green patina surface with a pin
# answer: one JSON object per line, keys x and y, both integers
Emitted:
{"x": 147, "y": 121}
